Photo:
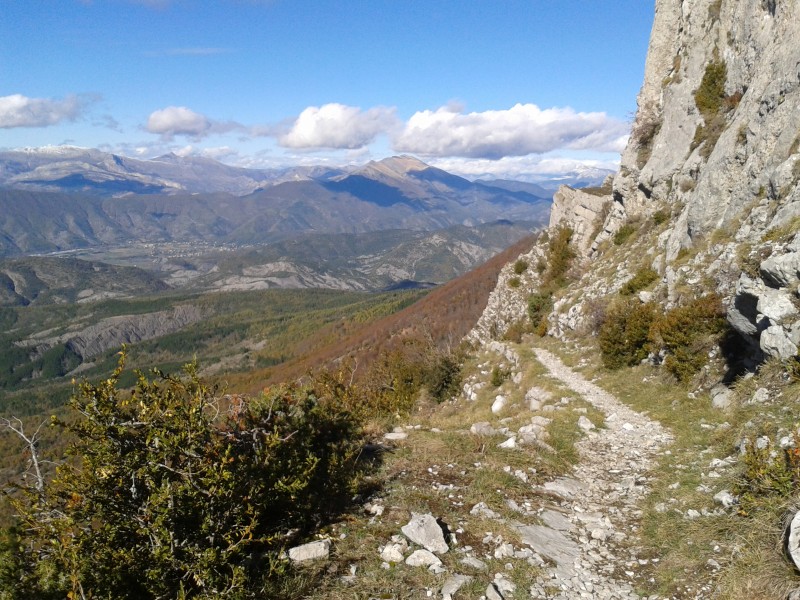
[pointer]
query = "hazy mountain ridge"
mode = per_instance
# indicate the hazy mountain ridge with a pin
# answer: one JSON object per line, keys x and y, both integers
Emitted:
{"x": 397, "y": 193}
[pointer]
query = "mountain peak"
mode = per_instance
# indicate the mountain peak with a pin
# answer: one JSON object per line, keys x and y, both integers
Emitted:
{"x": 393, "y": 167}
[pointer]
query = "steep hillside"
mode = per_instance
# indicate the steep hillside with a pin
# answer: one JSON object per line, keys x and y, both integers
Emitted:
{"x": 43, "y": 280}
{"x": 443, "y": 316}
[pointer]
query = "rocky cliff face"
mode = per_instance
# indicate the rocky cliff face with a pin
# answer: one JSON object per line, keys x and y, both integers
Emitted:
{"x": 717, "y": 138}
{"x": 714, "y": 159}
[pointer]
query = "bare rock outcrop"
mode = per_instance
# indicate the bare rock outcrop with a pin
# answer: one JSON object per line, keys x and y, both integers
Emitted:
{"x": 582, "y": 212}
{"x": 113, "y": 332}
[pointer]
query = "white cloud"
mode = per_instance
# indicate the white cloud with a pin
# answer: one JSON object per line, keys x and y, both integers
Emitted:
{"x": 338, "y": 126}
{"x": 528, "y": 168}
{"x": 523, "y": 129}
{"x": 20, "y": 111}
{"x": 179, "y": 120}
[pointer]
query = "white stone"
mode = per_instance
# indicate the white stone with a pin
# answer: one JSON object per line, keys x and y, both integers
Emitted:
{"x": 480, "y": 509}
{"x": 483, "y": 428}
{"x": 793, "y": 540}
{"x": 310, "y": 551}
{"x": 509, "y": 444}
{"x": 422, "y": 558}
{"x": 499, "y": 404}
{"x": 504, "y": 551}
{"x": 725, "y": 498}
{"x": 474, "y": 563}
{"x": 453, "y": 584}
{"x": 423, "y": 529}
{"x": 585, "y": 424}
{"x": 395, "y": 436}
{"x": 392, "y": 553}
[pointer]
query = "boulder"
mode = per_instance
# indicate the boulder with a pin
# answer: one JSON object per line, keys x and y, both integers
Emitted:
{"x": 725, "y": 498}
{"x": 776, "y": 342}
{"x": 499, "y": 404}
{"x": 585, "y": 424}
{"x": 721, "y": 397}
{"x": 793, "y": 540}
{"x": 392, "y": 553}
{"x": 423, "y": 558}
{"x": 782, "y": 270}
{"x": 483, "y": 428}
{"x": 453, "y": 584}
{"x": 760, "y": 396}
{"x": 425, "y": 531}
{"x": 776, "y": 305}
{"x": 310, "y": 551}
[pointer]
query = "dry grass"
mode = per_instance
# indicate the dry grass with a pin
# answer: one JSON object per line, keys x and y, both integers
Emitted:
{"x": 747, "y": 548}
{"x": 444, "y": 469}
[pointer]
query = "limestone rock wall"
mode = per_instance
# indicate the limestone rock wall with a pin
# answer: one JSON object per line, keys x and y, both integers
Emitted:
{"x": 583, "y": 213}
{"x": 715, "y": 146}
{"x": 743, "y": 177}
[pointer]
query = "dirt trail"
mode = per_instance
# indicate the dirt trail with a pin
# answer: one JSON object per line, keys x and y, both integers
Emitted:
{"x": 595, "y": 523}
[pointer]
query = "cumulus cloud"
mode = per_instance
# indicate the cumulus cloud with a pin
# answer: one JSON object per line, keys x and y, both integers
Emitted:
{"x": 179, "y": 120}
{"x": 17, "y": 110}
{"x": 338, "y": 126}
{"x": 523, "y": 129}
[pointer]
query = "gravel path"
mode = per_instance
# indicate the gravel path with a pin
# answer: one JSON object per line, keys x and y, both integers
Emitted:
{"x": 594, "y": 520}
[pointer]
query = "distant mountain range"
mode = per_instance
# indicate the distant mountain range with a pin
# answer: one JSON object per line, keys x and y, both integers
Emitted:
{"x": 87, "y": 171}
{"x": 548, "y": 183}
{"x": 191, "y": 200}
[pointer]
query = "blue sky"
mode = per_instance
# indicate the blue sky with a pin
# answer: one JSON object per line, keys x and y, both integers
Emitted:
{"x": 475, "y": 86}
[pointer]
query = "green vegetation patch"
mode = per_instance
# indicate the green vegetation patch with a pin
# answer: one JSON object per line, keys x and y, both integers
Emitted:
{"x": 684, "y": 335}
{"x": 624, "y": 234}
{"x": 625, "y": 333}
{"x": 641, "y": 279}
{"x": 171, "y": 496}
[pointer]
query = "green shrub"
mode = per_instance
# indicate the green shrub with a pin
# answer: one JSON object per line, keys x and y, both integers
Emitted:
{"x": 709, "y": 97}
{"x": 559, "y": 258}
{"x": 515, "y": 331}
{"x": 641, "y": 279}
{"x": 539, "y": 306}
{"x": 714, "y": 106}
{"x": 167, "y": 495}
{"x": 498, "y": 376}
{"x": 624, "y": 233}
{"x": 443, "y": 375}
{"x": 687, "y": 333}
{"x": 660, "y": 217}
{"x": 520, "y": 266}
{"x": 514, "y": 282}
{"x": 624, "y": 334}
{"x": 395, "y": 380}
{"x": 767, "y": 472}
